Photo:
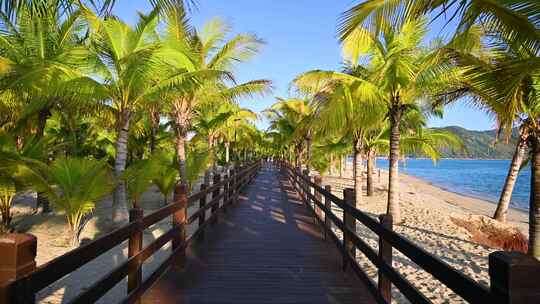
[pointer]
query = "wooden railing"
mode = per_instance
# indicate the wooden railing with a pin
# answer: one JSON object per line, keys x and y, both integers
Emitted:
{"x": 20, "y": 280}
{"x": 514, "y": 277}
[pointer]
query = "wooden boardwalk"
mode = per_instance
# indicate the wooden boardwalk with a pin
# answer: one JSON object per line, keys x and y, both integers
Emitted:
{"x": 266, "y": 249}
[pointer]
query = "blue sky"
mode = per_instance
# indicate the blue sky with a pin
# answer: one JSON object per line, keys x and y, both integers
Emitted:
{"x": 300, "y": 35}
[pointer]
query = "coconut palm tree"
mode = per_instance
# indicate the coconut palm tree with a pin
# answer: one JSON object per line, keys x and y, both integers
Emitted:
{"x": 13, "y": 7}
{"x": 218, "y": 122}
{"x": 293, "y": 118}
{"x": 403, "y": 75}
{"x": 73, "y": 185}
{"x": 129, "y": 59}
{"x": 39, "y": 55}
{"x": 504, "y": 82}
{"x": 518, "y": 20}
{"x": 210, "y": 53}
{"x": 344, "y": 108}
{"x": 166, "y": 177}
{"x": 12, "y": 157}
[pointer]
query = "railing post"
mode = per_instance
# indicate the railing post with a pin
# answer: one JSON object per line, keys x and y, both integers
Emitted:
{"x": 179, "y": 221}
{"x": 514, "y": 278}
{"x": 349, "y": 221}
{"x": 217, "y": 179}
{"x": 202, "y": 217}
{"x": 17, "y": 259}
{"x": 385, "y": 254}
{"x": 318, "y": 196}
{"x": 328, "y": 205}
{"x": 135, "y": 244}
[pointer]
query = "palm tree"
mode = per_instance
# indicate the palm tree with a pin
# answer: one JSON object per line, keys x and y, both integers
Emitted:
{"x": 218, "y": 122}
{"x": 165, "y": 179}
{"x": 504, "y": 81}
{"x": 129, "y": 58}
{"x": 39, "y": 55}
{"x": 13, "y": 7}
{"x": 11, "y": 158}
{"x": 403, "y": 75}
{"x": 344, "y": 108}
{"x": 73, "y": 185}
{"x": 518, "y": 20}
{"x": 293, "y": 118}
{"x": 210, "y": 54}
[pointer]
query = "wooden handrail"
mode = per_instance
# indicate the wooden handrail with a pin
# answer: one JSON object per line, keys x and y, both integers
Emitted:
{"x": 462, "y": 285}
{"x": 23, "y": 289}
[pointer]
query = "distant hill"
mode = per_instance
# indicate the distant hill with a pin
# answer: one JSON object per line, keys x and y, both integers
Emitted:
{"x": 479, "y": 144}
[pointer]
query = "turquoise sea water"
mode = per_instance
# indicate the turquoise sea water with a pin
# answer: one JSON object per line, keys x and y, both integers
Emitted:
{"x": 478, "y": 178}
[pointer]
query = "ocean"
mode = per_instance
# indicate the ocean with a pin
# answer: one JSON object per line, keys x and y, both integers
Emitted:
{"x": 477, "y": 178}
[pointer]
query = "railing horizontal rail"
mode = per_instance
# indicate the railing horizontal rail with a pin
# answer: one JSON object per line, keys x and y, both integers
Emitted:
{"x": 137, "y": 293}
{"x": 462, "y": 285}
{"x": 22, "y": 290}
{"x": 71, "y": 261}
{"x": 341, "y": 246}
{"x": 160, "y": 214}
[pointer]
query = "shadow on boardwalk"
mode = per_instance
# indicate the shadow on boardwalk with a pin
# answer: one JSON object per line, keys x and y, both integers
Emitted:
{"x": 265, "y": 249}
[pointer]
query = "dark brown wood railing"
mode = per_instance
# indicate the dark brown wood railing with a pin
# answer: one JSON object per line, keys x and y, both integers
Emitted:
{"x": 20, "y": 280}
{"x": 514, "y": 276}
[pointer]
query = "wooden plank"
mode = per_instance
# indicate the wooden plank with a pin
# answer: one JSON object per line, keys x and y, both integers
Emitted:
{"x": 462, "y": 285}
{"x": 265, "y": 250}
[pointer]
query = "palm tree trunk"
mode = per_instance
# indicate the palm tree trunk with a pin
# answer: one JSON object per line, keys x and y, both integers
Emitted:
{"x": 227, "y": 152}
{"x": 393, "y": 178}
{"x": 331, "y": 165}
{"x": 508, "y": 188}
{"x": 308, "y": 148}
{"x": 154, "y": 121}
{"x": 41, "y": 199}
{"x": 341, "y": 166}
{"x": 534, "y": 202}
{"x": 357, "y": 173}
{"x": 181, "y": 150}
{"x": 182, "y": 123}
{"x": 120, "y": 212}
{"x": 370, "y": 167}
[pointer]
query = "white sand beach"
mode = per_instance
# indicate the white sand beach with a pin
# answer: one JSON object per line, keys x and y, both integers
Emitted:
{"x": 426, "y": 211}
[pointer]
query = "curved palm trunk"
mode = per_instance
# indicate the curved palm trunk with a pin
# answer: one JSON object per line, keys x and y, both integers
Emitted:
{"x": 120, "y": 213}
{"x": 342, "y": 166}
{"x": 154, "y": 119}
{"x": 370, "y": 168}
{"x": 227, "y": 152}
{"x": 207, "y": 171}
{"x": 506, "y": 195}
{"x": 393, "y": 177}
{"x": 534, "y": 202}
{"x": 41, "y": 199}
{"x": 181, "y": 150}
{"x": 357, "y": 172}
{"x": 182, "y": 123}
{"x": 308, "y": 152}
{"x": 5, "y": 211}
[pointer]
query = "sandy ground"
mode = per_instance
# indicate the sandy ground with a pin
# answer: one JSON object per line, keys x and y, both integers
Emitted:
{"x": 51, "y": 232}
{"x": 426, "y": 212}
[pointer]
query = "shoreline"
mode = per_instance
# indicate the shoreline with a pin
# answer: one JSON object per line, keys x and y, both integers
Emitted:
{"x": 467, "y": 195}
{"x": 427, "y": 213}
